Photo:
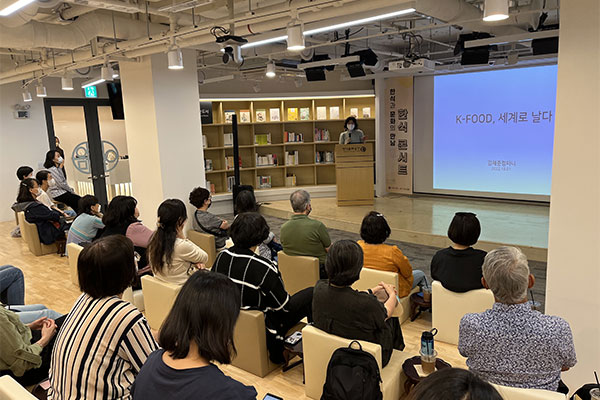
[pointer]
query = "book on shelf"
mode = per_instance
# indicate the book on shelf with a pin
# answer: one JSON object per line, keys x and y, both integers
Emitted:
{"x": 263, "y": 181}
{"x": 274, "y": 114}
{"x": 366, "y": 112}
{"x": 292, "y": 158}
{"x": 354, "y": 112}
{"x": 228, "y": 139}
{"x": 267, "y": 160}
{"x": 262, "y": 138}
{"x": 292, "y": 114}
{"x": 305, "y": 114}
{"x": 206, "y": 116}
{"x": 324, "y": 157}
{"x": 334, "y": 112}
{"x": 261, "y": 115}
{"x": 204, "y": 142}
{"x": 293, "y": 137}
{"x": 321, "y": 112}
{"x": 229, "y": 116}
{"x": 290, "y": 180}
{"x": 210, "y": 187}
{"x": 230, "y": 183}
{"x": 244, "y": 116}
{"x": 229, "y": 162}
{"x": 321, "y": 135}
{"x": 208, "y": 164}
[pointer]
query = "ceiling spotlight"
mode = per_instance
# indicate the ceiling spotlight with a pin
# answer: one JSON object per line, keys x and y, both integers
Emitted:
{"x": 40, "y": 90}
{"x": 175, "y": 58}
{"x": 295, "y": 36}
{"x": 270, "y": 70}
{"x": 66, "y": 83}
{"x": 106, "y": 73}
{"x": 27, "y": 96}
{"x": 495, "y": 10}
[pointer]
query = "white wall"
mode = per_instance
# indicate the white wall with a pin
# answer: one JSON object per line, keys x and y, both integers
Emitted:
{"x": 25, "y": 142}
{"x": 573, "y": 277}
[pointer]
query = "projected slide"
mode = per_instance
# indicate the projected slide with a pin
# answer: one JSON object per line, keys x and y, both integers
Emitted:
{"x": 493, "y": 131}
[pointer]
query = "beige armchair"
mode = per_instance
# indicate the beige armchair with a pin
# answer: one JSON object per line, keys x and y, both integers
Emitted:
{"x": 11, "y": 390}
{"x": 135, "y": 297}
{"x": 250, "y": 340}
{"x": 511, "y": 393}
{"x": 73, "y": 251}
{"x": 29, "y": 233}
{"x": 318, "y": 347}
{"x": 449, "y": 307}
{"x": 206, "y": 242}
{"x": 158, "y": 297}
{"x": 298, "y": 272}
{"x": 370, "y": 278}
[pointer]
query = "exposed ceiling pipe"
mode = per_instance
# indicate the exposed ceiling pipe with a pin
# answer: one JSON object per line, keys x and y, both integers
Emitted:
{"x": 77, "y": 34}
{"x": 71, "y": 11}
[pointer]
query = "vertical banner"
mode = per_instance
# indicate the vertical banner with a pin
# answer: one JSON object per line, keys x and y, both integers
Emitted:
{"x": 398, "y": 126}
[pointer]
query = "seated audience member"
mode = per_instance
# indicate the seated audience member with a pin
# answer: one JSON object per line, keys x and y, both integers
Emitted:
{"x": 44, "y": 178}
{"x": 60, "y": 190}
{"x": 51, "y": 228}
{"x": 454, "y": 384}
{"x": 172, "y": 257}
{"x": 340, "y": 310}
{"x": 197, "y": 331}
{"x": 260, "y": 283}
{"x": 24, "y": 172}
{"x": 12, "y": 285}
{"x": 246, "y": 202}
{"x": 511, "y": 344}
{"x": 104, "y": 341}
{"x": 374, "y": 230}
{"x": 206, "y": 222}
{"x": 121, "y": 218}
{"x": 458, "y": 267}
{"x": 25, "y": 349}
{"x": 88, "y": 224}
{"x": 303, "y": 236}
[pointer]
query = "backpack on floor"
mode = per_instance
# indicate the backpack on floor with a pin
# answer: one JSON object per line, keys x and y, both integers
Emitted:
{"x": 352, "y": 374}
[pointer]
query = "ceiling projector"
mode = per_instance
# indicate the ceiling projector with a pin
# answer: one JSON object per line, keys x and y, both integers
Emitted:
{"x": 417, "y": 66}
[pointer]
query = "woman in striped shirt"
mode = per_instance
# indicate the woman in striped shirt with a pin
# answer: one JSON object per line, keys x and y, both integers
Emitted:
{"x": 104, "y": 342}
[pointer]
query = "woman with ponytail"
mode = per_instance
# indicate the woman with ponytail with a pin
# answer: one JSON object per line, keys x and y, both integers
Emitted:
{"x": 172, "y": 257}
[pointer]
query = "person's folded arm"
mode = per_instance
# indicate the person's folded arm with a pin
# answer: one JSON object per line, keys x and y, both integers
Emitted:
{"x": 193, "y": 253}
{"x": 14, "y": 352}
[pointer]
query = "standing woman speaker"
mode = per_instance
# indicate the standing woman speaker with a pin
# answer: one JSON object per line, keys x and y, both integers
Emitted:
{"x": 351, "y": 134}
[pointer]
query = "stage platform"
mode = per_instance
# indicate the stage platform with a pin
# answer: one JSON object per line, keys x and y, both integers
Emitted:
{"x": 424, "y": 220}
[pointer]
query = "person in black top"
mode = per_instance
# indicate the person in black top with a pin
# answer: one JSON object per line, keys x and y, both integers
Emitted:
{"x": 260, "y": 283}
{"x": 340, "y": 310}
{"x": 198, "y": 330}
{"x": 458, "y": 267}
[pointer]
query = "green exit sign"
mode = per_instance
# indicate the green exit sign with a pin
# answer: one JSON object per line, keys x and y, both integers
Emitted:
{"x": 91, "y": 91}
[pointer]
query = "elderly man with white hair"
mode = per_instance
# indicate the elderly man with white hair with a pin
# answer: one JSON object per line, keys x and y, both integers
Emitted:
{"x": 511, "y": 344}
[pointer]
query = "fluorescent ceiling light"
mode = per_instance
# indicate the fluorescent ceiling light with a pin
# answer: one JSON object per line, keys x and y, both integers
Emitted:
{"x": 14, "y": 7}
{"x": 66, "y": 83}
{"x": 495, "y": 10}
{"x": 92, "y": 82}
{"x": 218, "y": 79}
{"x": 333, "y": 27}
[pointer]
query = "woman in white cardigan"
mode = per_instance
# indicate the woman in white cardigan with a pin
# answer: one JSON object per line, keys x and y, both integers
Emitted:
{"x": 60, "y": 191}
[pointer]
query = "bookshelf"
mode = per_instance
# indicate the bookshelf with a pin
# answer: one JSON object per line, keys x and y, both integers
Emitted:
{"x": 286, "y": 127}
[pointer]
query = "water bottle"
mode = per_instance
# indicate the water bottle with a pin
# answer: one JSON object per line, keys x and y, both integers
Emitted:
{"x": 427, "y": 342}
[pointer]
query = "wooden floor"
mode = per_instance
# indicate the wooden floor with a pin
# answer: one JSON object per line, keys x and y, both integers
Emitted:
{"x": 47, "y": 282}
{"x": 424, "y": 220}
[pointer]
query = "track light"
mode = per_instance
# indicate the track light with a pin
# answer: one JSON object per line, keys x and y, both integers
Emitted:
{"x": 106, "y": 73}
{"x": 270, "y": 70}
{"x": 27, "y": 96}
{"x": 66, "y": 83}
{"x": 495, "y": 10}
{"x": 295, "y": 36}
{"x": 175, "y": 58}
{"x": 40, "y": 90}
{"x": 92, "y": 82}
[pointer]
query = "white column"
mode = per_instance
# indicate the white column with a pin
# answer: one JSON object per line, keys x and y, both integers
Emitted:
{"x": 164, "y": 134}
{"x": 380, "y": 138}
{"x": 573, "y": 277}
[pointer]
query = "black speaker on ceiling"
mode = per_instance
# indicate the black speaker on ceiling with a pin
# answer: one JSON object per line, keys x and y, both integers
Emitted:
{"x": 545, "y": 46}
{"x": 355, "y": 69}
{"x": 475, "y": 55}
{"x": 315, "y": 74}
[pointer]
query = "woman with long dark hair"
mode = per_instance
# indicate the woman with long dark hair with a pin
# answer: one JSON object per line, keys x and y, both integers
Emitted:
{"x": 51, "y": 228}
{"x": 197, "y": 331}
{"x": 121, "y": 218}
{"x": 172, "y": 257}
{"x": 60, "y": 191}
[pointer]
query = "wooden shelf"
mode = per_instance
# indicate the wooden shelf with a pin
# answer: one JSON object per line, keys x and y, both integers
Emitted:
{"x": 298, "y": 143}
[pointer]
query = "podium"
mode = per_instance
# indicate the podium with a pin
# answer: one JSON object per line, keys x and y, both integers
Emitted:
{"x": 354, "y": 174}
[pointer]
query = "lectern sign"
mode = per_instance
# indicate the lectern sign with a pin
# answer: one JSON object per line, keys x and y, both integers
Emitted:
{"x": 399, "y": 133}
